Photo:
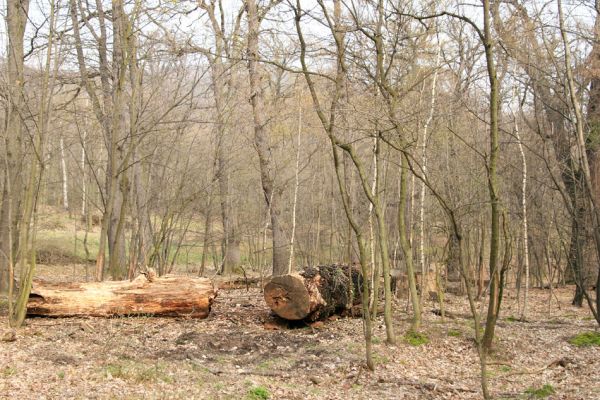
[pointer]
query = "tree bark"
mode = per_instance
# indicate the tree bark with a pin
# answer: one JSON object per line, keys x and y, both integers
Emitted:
{"x": 593, "y": 122}
{"x": 65, "y": 179}
{"x": 170, "y": 295}
{"x": 273, "y": 195}
{"x": 406, "y": 246}
{"x": 493, "y": 187}
{"x": 16, "y": 21}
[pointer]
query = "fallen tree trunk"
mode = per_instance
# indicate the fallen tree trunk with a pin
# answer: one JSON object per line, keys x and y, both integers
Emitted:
{"x": 239, "y": 283}
{"x": 170, "y": 295}
{"x": 315, "y": 293}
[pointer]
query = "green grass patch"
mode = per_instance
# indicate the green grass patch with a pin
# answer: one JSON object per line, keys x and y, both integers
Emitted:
{"x": 138, "y": 372}
{"x": 540, "y": 393}
{"x": 62, "y": 247}
{"x": 265, "y": 365}
{"x": 353, "y": 348}
{"x": 60, "y": 241}
{"x": 258, "y": 393}
{"x": 416, "y": 338}
{"x": 454, "y": 333}
{"x": 380, "y": 359}
{"x": 586, "y": 339}
{"x": 7, "y": 371}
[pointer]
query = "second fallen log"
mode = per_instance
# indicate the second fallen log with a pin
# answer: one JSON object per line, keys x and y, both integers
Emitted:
{"x": 315, "y": 293}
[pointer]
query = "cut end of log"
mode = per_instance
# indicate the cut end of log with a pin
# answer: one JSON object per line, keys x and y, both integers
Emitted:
{"x": 288, "y": 297}
{"x": 315, "y": 293}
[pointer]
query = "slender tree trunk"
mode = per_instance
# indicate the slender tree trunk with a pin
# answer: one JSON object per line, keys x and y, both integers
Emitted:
{"x": 406, "y": 248}
{"x": 495, "y": 299}
{"x": 27, "y": 231}
{"x": 230, "y": 244}
{"x": 65, "y": 179}
{"x": 10, "y": 214}
{"x": 424, "y": 267}
{"x": 372, "y": 242}
{"x": 84, "y": 194}
{"x": 296, "y": 185}
{"x": 480, "y": 264}
{"x": 524, "y": 226}
{"x": 207, "y": 232}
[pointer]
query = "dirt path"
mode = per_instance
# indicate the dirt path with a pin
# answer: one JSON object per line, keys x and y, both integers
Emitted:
{"x": 236, "y": 352}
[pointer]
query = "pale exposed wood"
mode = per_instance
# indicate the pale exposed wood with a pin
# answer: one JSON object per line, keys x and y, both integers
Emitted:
{"x": 169, "y": 295}
{"x": 288, "y": 296}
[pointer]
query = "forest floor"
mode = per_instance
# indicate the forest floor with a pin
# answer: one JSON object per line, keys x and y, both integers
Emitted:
{"x": 242, "y": 352}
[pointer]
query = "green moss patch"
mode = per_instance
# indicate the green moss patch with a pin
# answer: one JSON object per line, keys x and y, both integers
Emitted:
{"x": 540, "y": 393}
{"x": 258, "y": 393}
{"x": 416, "y": 338}
{"x": 586, "y": 339}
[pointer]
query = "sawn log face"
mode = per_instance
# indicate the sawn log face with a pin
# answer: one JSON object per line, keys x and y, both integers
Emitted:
{"x": 315, "y": 293}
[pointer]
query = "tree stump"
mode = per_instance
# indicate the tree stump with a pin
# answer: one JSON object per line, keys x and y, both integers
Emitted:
{"x": 170, "y": 295}
{"x": 315, "y": 293}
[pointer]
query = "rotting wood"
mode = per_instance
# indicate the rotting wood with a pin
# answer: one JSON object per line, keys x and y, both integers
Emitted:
{"x": 169, "y": 295}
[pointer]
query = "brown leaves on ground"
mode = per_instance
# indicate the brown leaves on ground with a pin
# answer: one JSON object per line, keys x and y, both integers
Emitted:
{"x": 8, "y": 335}
{"x": 241, "y": 347}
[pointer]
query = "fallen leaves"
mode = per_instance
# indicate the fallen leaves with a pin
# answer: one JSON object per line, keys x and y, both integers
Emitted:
{"x": 9, "y": 335}
{"x": 241, "y": 345}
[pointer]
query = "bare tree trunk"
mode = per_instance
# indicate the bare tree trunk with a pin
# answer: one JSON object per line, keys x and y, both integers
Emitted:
{"x": 84, "y": 195}
{"x": 27, "y": 231}
{"x": 16, "y": 21}
{"x": 480, "y": 259}
{"x": 65, "y": 179}
{"x": 272, "y": 194}
{"x": 118, "y": 180}
{"x": 230, "y": 244}
{"x": 141, "y": 247}
{"x": 424, "y": 266}
{"x": 495, "y": 292}
{"x": 207, "y": 232}
{"x": 406, "y": 247}
{"x": 372, "y": 240}
{"x": 296, "y": 185}
{"x": 525, "y": 229}
{"x": 100, "y": 109}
